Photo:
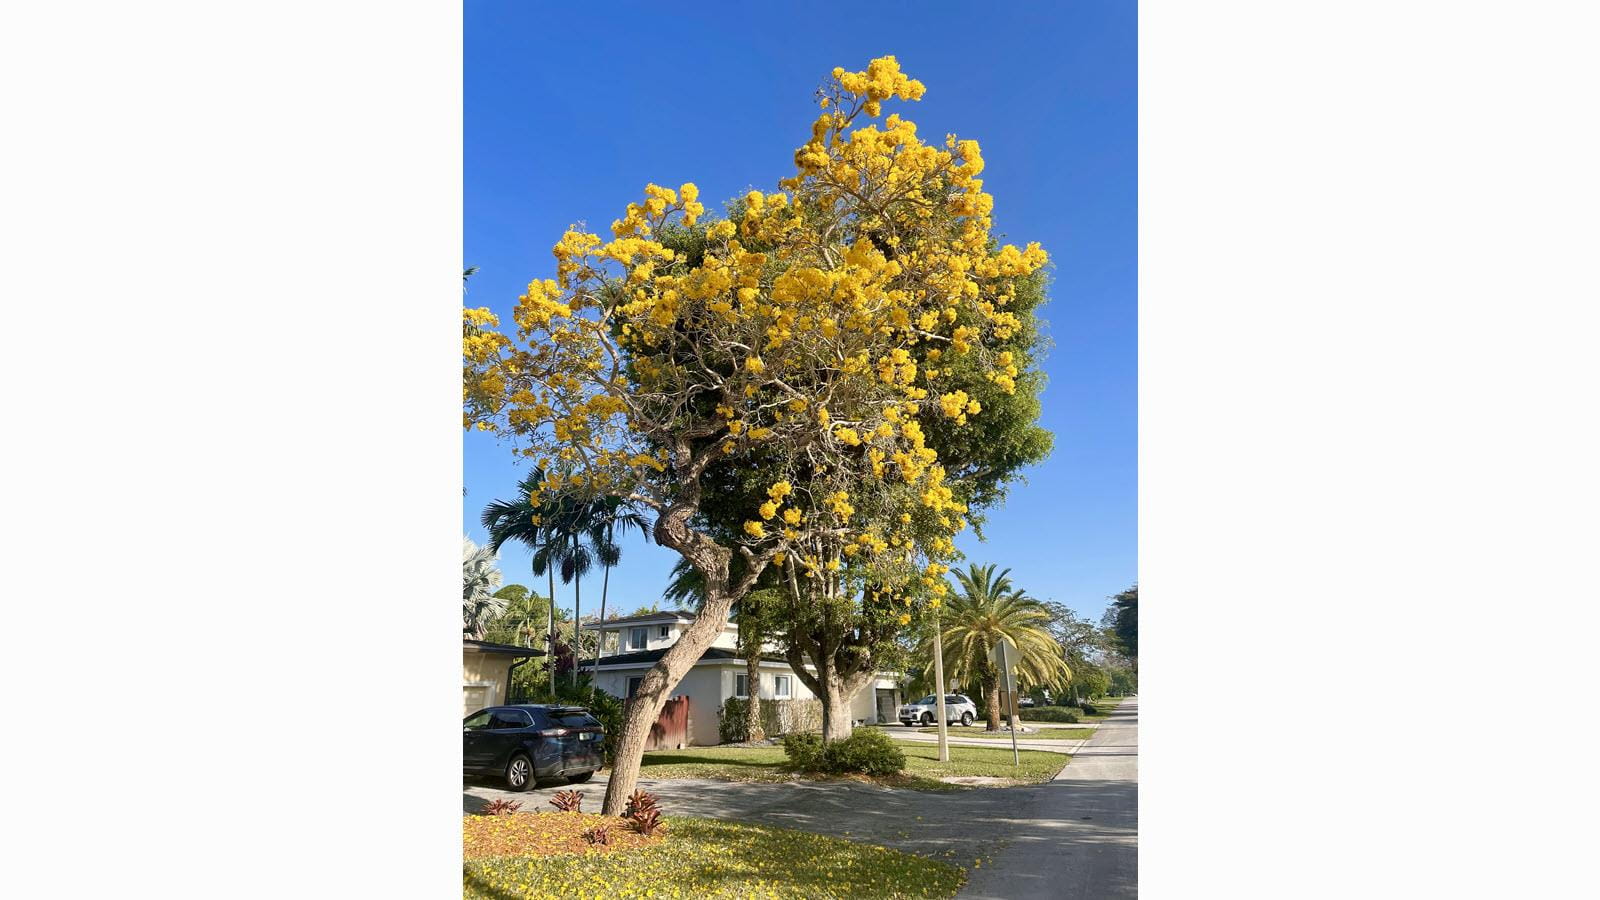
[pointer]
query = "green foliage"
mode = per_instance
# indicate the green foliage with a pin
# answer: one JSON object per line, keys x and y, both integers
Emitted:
{"x": 1123, "y": 619}
{"x": 1124, "y": 681}
{"x": 524, "y": 621}
{"x": 1089, "y": 708}
{"x": 804, "y": 750}
{"x": 1065, "y": 714}
{"x": 867, "y": 751}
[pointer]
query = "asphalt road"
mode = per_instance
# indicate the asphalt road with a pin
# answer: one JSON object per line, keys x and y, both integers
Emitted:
{"x": 1077, "y": 837}
{"x": 1071, "y": 838}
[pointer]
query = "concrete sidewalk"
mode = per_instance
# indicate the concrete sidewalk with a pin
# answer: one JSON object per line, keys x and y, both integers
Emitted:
{"x": 1029, "y": 742}
{"x": 1076, "y": 838}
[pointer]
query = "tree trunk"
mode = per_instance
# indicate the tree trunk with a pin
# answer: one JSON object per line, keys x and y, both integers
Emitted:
{"x": 991, "y": 689}
{"x": 654, "y": 691}
{"x": 752, "y": 707}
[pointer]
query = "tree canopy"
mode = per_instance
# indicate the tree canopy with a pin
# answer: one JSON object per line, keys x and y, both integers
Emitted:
{"x": 831, "y": 380}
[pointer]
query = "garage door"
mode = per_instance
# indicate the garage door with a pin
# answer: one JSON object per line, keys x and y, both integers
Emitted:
{"x": 477, "y": 697}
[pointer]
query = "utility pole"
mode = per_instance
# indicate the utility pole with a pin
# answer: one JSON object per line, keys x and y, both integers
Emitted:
{"x": 938, "y": 684}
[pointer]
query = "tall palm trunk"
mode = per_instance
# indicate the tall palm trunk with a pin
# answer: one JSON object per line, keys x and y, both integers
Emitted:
{"x": 990, "y": 682}
{"x": 577, "y": 619}
{"x": 550, "y": 633}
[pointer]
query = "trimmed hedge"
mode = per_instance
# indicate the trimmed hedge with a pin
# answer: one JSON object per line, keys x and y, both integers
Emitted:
{"x": 1067, "y": 714}
{"x": 866, "y": 751}
{"x": 777, "y": 717}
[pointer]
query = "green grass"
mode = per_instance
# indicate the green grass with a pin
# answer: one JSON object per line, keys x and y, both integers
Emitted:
{"x": 1048, "y": 734}
{"x": 706, "y": 858}
{"x": 923, "y": 769}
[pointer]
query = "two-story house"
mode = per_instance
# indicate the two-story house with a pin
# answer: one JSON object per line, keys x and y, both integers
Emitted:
{"x": 633, "y": 644}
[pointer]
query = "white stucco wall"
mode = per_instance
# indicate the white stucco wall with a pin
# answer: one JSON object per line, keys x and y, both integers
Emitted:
{"x": 707, "y": 686}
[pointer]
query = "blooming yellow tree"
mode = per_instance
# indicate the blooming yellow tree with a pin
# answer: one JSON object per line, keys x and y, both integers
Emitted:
{"x": 804, "y": 337}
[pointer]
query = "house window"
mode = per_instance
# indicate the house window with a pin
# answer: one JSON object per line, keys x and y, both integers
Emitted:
{"x": 663, "y": 633}
{"x": 633, "y": 685}
{"x": 637, "y": 638}
{"x": 780, "y": 687}
{"x": 741, "y": 686}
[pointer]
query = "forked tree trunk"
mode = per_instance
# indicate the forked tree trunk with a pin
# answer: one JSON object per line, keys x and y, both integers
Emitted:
{"x": 653, "y": 693}
{"x": 837, "y": 723}
{"x": 835, "y": 689}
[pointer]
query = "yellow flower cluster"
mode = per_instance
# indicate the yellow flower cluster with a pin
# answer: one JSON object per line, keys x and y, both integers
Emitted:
{"x": 817, "y": 323}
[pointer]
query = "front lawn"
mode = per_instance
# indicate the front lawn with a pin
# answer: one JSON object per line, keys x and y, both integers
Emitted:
{"x": 923, "y": 769}
{"x": 1045, "y": 734}
{"x": 708, "y": 858}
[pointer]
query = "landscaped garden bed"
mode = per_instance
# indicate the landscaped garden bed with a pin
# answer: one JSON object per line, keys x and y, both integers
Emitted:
{"x": 689, "y": 858}
{"x": 546, "y": 834}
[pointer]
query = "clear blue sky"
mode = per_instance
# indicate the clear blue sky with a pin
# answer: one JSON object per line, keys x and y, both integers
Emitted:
{"x": 571, "y": 109}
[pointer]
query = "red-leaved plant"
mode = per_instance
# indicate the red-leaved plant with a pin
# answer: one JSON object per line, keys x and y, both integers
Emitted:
{"x": 567, "y": 801}
{"x": 501, "y": 807}
{"x": 599, "y": 834}
{"x": 645, "y": 822}
{"x": 639, "y": 801}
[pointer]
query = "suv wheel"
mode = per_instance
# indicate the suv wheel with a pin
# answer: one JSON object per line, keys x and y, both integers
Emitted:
{"x": 519, "y": 773}
{"x": 966, "y": 720}
{"x": 927, "y": 718}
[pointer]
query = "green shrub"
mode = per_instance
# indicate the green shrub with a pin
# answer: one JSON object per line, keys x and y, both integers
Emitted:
{"x": 804, "y": 750}
{"x": 866, "y": 751}
{"x": 1065, "y": 714}
{"x": 1089, "y": 708}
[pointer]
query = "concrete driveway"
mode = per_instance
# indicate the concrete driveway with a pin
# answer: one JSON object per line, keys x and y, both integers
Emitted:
{"x": 1074, "y": 837}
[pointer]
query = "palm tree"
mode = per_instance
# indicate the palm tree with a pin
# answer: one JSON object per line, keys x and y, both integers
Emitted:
{"x": 985, "y": 610}
{"x": 607, "y": 517}
{"x": 524, "y": 521}
{"x": 480, "y": 578}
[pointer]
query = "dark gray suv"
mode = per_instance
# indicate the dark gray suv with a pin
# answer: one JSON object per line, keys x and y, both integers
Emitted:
{"x": 527, "y": 742}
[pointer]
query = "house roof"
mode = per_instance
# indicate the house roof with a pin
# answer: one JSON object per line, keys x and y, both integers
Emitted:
{"x": 669, "y": 615}
{"x": 506, "y": 649}
{"x": 651, "y": 656}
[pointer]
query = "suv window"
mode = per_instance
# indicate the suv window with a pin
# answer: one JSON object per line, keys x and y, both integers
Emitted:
{"x": 575, "y": 720}
{"x": 478, "y": 721}
{"x": 954, "y": 698}
{"x": 509, "y": 718}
